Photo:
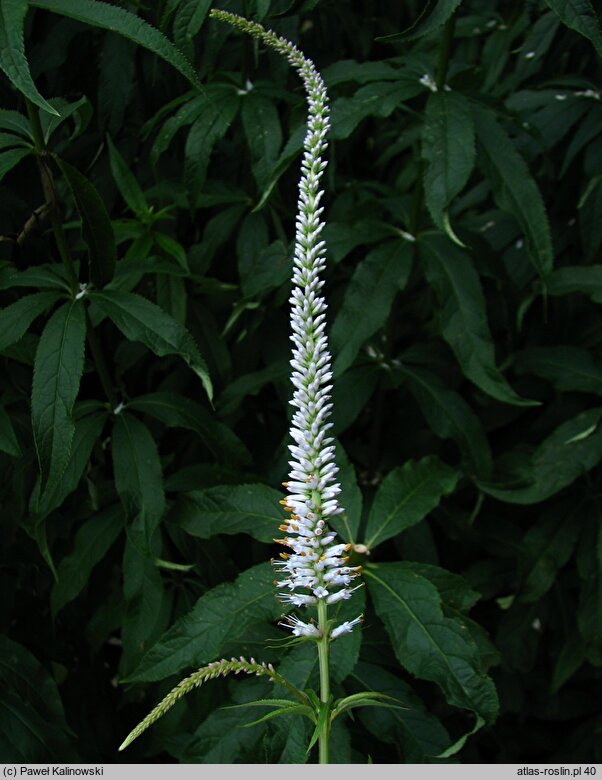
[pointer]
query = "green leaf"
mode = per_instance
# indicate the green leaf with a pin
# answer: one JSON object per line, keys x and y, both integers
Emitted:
{"x": 368, "y": 299}
{"x": 147, "y": 605}
{"x": 378, "y": 99}
{"x": 187, "y": 23}
{"x": 429, "y": 645}
{"x": 449, "y": 416}
{"x": 406, "y": 496}
{"x": 580, "y": 16}
{"x": 92, "y": 542}
{"x": 434, "y": 15}
{"x": 180, "y": 412}
{"x": 219, "y": 617}
{"x": 10, "y": 158}
{"x": 42, "y": 276}
{"x": 97, "y": 230}
{"x": 218, "y": 739}
{"x": 514, "y": 189}
{"x": 140, "y": 320}
{"x": 449, "y": 150}
{"x": 32, "y": 720}
{"x": 463, "y": 317}
{"x": 263, "y": 133}
{"x": 127, "y": 184}
{"x": 570, "y": 451}
{"x": 87, "y": 431}
{"x": 230, "y": 509}
{"x": 419, "y": 735}
{"x": 8, "y": 140}
{"x": 138, "y": 478}
{"x": 58, "y": 368}
{"x": 12, "y": 52}
{"x": 16, "y": 318}
{"x": 16, "y": 122}
{"x": 110, "y": 17}
{"x": 216, "y": 112}
{"x": 8, "y": 439}
{"x": 576, "y": 279}
{"x": 545, "y": 549}
{"x": 345, "y": 650}
{"x": 567, "y": 368}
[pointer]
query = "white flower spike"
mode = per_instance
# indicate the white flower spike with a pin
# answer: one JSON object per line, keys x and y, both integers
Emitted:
{"x": 317, "y": 565}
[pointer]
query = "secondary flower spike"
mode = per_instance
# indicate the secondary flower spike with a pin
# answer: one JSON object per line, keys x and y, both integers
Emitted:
{"x": 316, "y": 568}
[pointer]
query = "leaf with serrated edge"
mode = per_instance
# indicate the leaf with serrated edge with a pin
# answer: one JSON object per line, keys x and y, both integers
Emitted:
{"x": 406, "y": 496}
{"x": 58, "y": 367}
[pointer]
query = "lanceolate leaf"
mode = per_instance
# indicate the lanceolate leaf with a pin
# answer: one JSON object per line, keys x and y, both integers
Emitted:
{"x": 180, "y": 412}
{"x": 514, "y": 189}
{"x": 92, "y": 542}
{"x": 580, "y": 16}
{"x": 247, "y": 509}
{"x": 586, "y": 279}
{"x": 138, "y": 478}
{"x": 567, "y": 368}
{"x": 96, "y": 225}
{"x": 140, "y": 320}
{"x": 110, "y": 17}
{"x": 16, "y": 318}
{"x": 126, "y": 181}
{"x": 58, "y": 368}
{"x": 87, "y": 431}
{"x": 463, "y": 316}
{"x": 406, "y": 496}
{"x": 216, "y": 114}
{"x": 449, "y": 416}
{"x": 572, "y": 450}
{"x": 449, "y": 150}
{"x": 10, "y": 158}
{"x": 429, "y": 645}
{"x": 187, "y": 23}
{"x": 12, "y": 52}
{"x": 220, "y": 616}
{"x": 368, "y": 299}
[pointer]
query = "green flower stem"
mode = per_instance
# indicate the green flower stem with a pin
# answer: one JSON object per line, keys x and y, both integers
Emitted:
{"x": 324, "y": 738}
{"x": 50, "y": 195}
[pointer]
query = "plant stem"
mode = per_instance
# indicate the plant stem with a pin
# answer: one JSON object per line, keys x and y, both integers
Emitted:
{"x": 101, "y": 364}
{"x": 444, "y": 52}
{"x": 50, "y": 194}
{"x": 324, "y": 738}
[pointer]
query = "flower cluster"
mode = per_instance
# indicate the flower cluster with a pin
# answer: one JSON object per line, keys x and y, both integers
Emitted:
{"x": 316, "y": 565}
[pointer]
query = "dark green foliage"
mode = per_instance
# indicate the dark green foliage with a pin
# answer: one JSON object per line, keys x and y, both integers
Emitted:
{"x": 148, "y": 169}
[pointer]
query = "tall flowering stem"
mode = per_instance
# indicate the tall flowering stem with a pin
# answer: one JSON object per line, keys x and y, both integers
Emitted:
{"x": 314, "y": 572}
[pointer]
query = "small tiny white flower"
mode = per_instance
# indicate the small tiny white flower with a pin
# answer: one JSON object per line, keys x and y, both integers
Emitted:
{"x": 299, "y": 627}
{"x": 346, "y": 627}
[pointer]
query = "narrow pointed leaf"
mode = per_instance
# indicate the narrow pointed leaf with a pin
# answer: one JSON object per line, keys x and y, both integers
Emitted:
{"x": 138, "y": 477}
{"x": 406, "y": 496}
{"x": 368, "y": 299}
{"x": 58, "y": 367}
{"x": 220, "y": 617}
{"x": 13, "y": 61}
{"x": 115, "y": 19}
{"x": 140, "y": 320}
{"x": 16, "y": 318}
{"x": 128, "y": 186}
{"x": 514, "y": 189}
{"x": 96, "y": 225}
{"x": 463, "y": 317}
{"x": 10, "y": 158}
{"x": 448, "y": 147}
{"x": 92, "y": 541}
{"x": 429, "y": 645}
{"x": 580, "y": 16}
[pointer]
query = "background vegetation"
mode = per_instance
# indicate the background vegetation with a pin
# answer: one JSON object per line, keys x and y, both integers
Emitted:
{"x": 144, "y": 270}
